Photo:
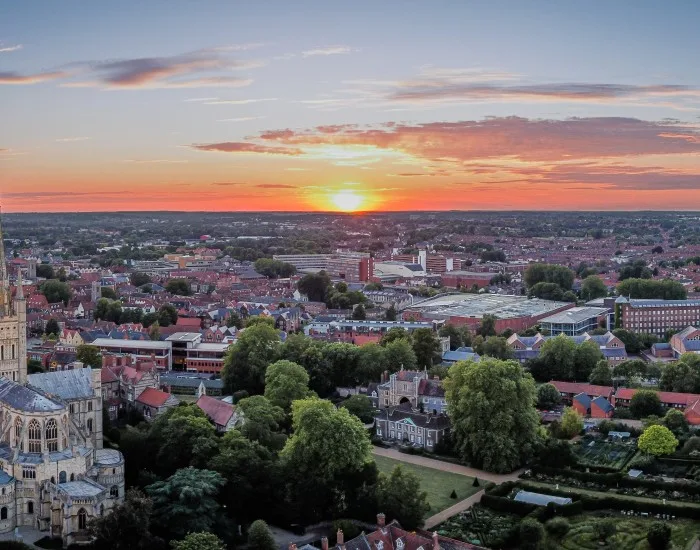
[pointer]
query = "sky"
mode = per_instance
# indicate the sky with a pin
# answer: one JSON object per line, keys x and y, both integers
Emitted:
{"x": 318, "y": 105}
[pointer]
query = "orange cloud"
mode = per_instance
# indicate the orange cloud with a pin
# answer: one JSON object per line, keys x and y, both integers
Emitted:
{"x": 243, "y": 147}
{"x": 10, "y": 77}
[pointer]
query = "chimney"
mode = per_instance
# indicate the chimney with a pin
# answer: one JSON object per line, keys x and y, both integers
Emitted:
{"x": 324, "y": 543}
{"x": 339, "y": 538}
{"x": 381, "y": 520}
{"x": 436, "y": 544}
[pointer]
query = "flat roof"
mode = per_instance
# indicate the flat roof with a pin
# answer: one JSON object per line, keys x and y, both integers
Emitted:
{"x": 183, "y": 336}
{"x": 634, "y": 302}
{"x": 143, "y": 344}
{"x": 574, "y": 315}
{"x": 211, "y": 346}
{"x": 503, "y": 306}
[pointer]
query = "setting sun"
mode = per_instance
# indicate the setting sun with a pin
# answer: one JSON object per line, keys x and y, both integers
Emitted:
{"x": 347, "y": 200}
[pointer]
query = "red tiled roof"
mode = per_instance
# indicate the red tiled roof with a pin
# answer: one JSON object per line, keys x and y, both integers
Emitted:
{"x": 674, "y": 398}
{"x": 188, "y": 322}
{"x": 153, "y": 397}
{"x": 576, "y": 388}
{"x": 219, "y": 412}
{"x": 107, "y": 375}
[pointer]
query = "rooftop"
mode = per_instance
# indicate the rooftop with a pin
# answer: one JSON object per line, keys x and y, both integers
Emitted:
{"x": 108, "y": 457}
{"x": 478, "y": 305}
{"x": 634, "y": 302}
{"x": 25, "y": 399}
{"x": 81, "y": 489}
{"x": 184, "y": 336}
{"x": 141, "y": 344}
{"x": 574, "y": 315}
{"x": 66, "y": 384}
{"x": 540, "y": 499}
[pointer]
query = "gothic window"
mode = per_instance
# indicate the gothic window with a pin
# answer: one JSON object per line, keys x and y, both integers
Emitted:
{"x": 30, "y": 507}
{"x": 34, "y": 433}
{"x": 18, "y": 433}
{"x": 89, "y": 406}
{"x": 89, "y": 425}
{"x": 52, "y": 435}
{"x": 3, "y": 512}
{"x": 82, "y": 519}
{"x": 53, "y": 480}
{"x": 114, "y": 491}
{"x": 2, "y": 353}
{"x": 72, "y": 477}
{"x": 62, "y": 477}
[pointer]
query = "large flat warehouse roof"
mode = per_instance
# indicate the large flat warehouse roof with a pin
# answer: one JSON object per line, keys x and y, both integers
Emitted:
{"x": 478, "y": 305}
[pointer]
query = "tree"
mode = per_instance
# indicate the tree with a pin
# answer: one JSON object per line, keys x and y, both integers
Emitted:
{"x": 399, "y": 354}
{"x": 426, "y": 347}
{"x": 199, "y": 541}
{"x": 260, "y": 537}
{"x": 178, "y": 287}
{"x": 127, "y": 526}
{"x": 56, "y": 291}
{"x": 186, "y": 502}
{"x": 247, "y": 360}
{"x": 328, "y": 447}
{"x": 492, "y": 409}
{"x": 593, "y": 287}
{"x": 234, "y": 320}
{"x": 371, "y": 363}
{"x": 139, "y": 278}
{"x": 497, "y": 347}
{"x": 399, "y": 496}
{"x": 630, "y": 339}
{"x": 89, "y": 355}
{"x": 531, "y": 534}
{"x": 681, "y": 376}
{"x": 675, "y": 421}
{"x": 652, "y": 289}
{"x": 601, "y": 375}
{"x": 167, "y": 315}
{"x": 487, "y": 327}
{"x": 262, "y": 421}
{"x": 546, "y": 291}
{"x": 154, "y": 331}
{"x": 394, "y": 333}
{"x": 549, "y": 273}
{"x": 286, "y": 382}
{"x": 391, "y": 314}
{"x": 571, "y": 424}
{"x": 52, "y": 327}
{"x": 453, "y": 333}
{"x": 645, "y": 403}
{"x": 109, "y": 293}
{"x": 315, "y": 285}
{"x": 558, "y": 527}
{"x": 558, "y": 358}
{"x": 657, "y": 440}
{"x": 359, "y": 313}
{"x": 274, "y": 268}
{"x": 361, "y": 407}
{"x": 586, "y": 357}
{"x": 659, "y": 535}
{"x": 604, "y": 529}
{"x": 45, "y": 271}
{"x": 548, "y": 397}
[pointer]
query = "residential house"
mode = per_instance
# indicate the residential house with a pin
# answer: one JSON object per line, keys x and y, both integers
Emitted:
{"x": 528, "y": 347}
{"x": 569, "y": 390}
{"x": 153, "y": 402}
{"x": 686, "y": 341}
{"x": 224, "y": 415}
{"x": 689, "y": 403}
{"x": 403, "y": 425}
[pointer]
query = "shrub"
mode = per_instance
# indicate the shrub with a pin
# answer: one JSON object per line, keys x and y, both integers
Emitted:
{"x": 453, "y": 494}
{"x": 659, "y": 536}
{"x": 604, "y": 529}
{"x": 558, "y": 527}
{"x": 693, "y": 444}
{"x": 531, "y": 533}
{"x": 476, "y": 482}
{"x": 490, "y": 486}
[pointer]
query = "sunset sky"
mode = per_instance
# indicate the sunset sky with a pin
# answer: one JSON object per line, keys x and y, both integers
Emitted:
{"x": 381, "y": 105}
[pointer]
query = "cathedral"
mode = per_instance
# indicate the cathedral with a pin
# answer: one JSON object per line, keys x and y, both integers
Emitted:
{"x": 54, "y": 474}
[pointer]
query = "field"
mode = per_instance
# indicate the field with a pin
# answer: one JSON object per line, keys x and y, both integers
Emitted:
{"x": 631, "y": 533}
{"x": 603, "y": 453}
{"x": 478, "y": 525}
{"x": 437, "y": 484}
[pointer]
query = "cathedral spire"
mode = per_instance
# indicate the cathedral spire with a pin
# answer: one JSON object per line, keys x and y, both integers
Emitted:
{"x": 19, "y": 295}
{"x": 4, "y": 279}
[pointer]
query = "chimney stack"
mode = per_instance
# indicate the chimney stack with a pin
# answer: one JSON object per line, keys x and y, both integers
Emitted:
{"x": 324, "y": 543}
{"x": 339, "y": 538}
{"x": 436, "y": 544}
{"x": 381, "y": 520}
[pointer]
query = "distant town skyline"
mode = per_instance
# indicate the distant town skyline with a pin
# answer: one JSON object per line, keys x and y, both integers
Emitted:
{"x": 306, "y": 106}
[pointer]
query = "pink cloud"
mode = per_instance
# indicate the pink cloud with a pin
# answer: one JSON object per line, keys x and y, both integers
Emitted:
{"x": 243, "y": 147}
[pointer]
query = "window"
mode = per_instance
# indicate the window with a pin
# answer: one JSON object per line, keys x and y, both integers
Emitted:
{"x": 3, "y": 512}
{"x": 52, "y": 435}
{"x": 53, "y": 480}
{"x": 28, "y": 472}
{"x": 30, "y": 507}
{"x": 18, "y": 433}
{"x": 72, "y": 477}
{"x": 89, "y": 425}
{"x": 34, "y": 432}
{"x": 114, "y": 491}
{"x": 82, "y": 519}
{"x": 62, "y": 477}
{"x": 89, "y": 406}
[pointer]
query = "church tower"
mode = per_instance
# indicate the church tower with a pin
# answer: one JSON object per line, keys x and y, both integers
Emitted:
{"x": 4, "y": 280}
{"x": 21, "y": 313}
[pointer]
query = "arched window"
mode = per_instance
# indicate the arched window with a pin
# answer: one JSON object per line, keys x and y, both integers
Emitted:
{"x": 18, "y": 433}
{"x": 53, "y": 480}
{"x": 62, "y": 477}
{"x": 30, "y": 507}
{"x": 82, "y": 519}
{"x": 34, "y": 432}
{"x": 3, "y": 512}
{"x": 2, "y": 353}
{"x": 72, "y": 477}
{"x": 89, "y": 425}
{"x": 114, "y": 491}
{"x": 52, "y": 435}
{"x": 102, "y": 509}
{"x": 13, "y": 351}
{"x": 89, "y": 406}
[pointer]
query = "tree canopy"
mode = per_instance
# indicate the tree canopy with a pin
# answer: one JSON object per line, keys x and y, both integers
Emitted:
{"x": 260, "y": 537}
{"x": 127, "y": 526}
{"x": 56, "y": 291}
{"x": 199, "y": 541}
{"x": 548, "y": 396}
{"x": 315, "y": 285}
{"x": 285, "y": 382}
{"x": 89, "y": 355}
{"x": 645, "y": 403}
{"x": 593, "y": 287}
{"x": 492, "y": 408}
{"x": 399, "y": 496}
{"x": 665, "y": 289}
{"x": 657, "y": 440}
{"x": 549, "y": 273}
{"x": 246, "y": 362}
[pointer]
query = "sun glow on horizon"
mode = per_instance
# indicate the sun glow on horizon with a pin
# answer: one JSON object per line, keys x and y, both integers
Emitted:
{"x": 347, "y": 200}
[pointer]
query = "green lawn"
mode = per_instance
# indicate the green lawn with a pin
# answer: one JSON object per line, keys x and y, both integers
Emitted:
{"x": 437, "y": 484}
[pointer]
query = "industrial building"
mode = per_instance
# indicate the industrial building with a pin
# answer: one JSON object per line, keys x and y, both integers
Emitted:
{"x": 350, "y": 266}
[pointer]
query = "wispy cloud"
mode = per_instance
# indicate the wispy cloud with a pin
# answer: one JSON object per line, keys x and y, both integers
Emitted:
{"x": 199, "y": 99}
{"x": 229, "y": 183}
{"x": 155, "y": 161}
{"x": 275, "y": 186}
{"x": 329, "y": 50}
{"x": 216, "y": 101}
{"x": 11, "y": 77}
{"x": 7, "y": 49}
{"x": 240, "y": 119}
{"x": 71, "y": 139}
{"x": 244, "y": 147}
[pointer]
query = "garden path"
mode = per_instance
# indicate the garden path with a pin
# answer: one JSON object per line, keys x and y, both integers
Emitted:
{"x": 447, "y": 513}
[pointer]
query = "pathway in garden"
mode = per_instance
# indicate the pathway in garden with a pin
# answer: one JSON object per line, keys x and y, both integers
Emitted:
{"x": 447, "y": 513}
{"x": 446, "y": 466}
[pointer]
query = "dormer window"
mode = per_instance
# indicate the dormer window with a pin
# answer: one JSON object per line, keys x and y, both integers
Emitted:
{"x": 399, "y": 544}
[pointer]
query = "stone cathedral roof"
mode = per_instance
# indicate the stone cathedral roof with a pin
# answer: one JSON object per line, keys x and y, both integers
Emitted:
{"x": 25, "y": 399}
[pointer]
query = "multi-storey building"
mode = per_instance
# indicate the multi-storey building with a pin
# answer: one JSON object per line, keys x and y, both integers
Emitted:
{"x": 574, "y": 321}
{"x": 656, "y": 316}
{"x": 410, "y": 388}
{"x": 351, "y": 266}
